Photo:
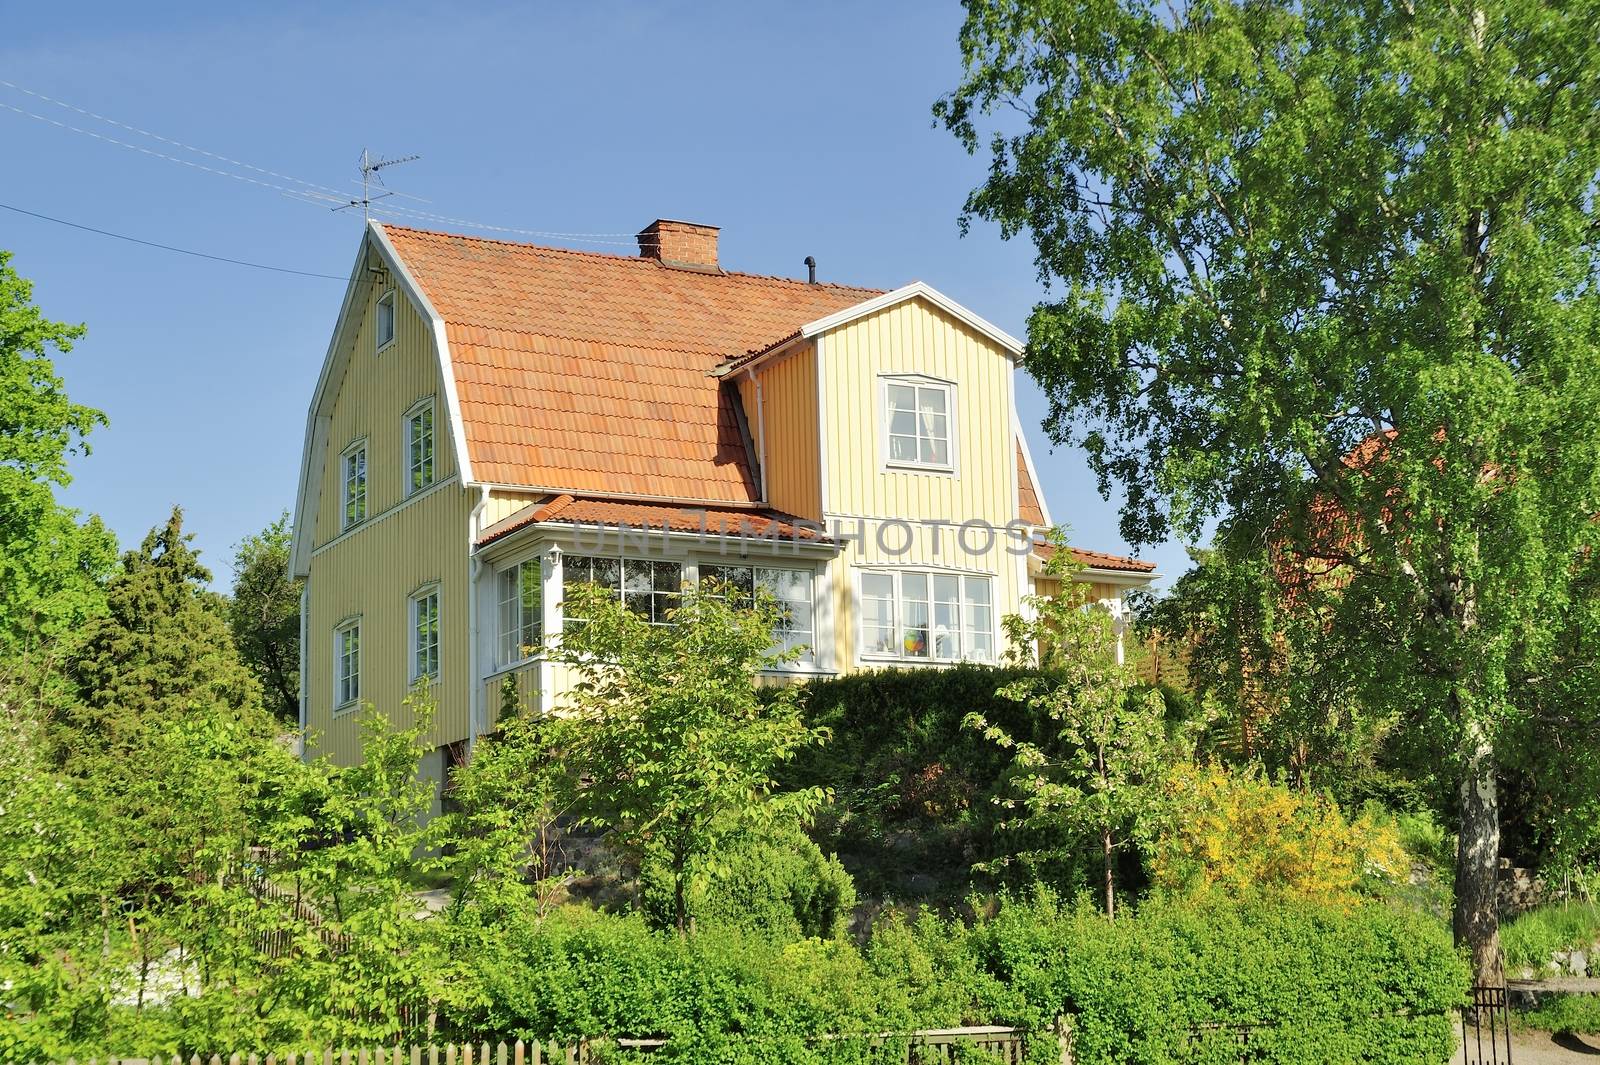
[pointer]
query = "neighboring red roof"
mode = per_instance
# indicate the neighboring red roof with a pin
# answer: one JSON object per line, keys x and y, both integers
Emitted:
{"x": 589, "y": 372}
{"x": 1096, "y": 559}
{"x": 1028, "y": 508}
{"x": 714, "y": 521}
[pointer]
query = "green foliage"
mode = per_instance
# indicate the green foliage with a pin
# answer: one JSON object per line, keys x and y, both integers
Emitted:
{"x": 1530, "y": 939}
{"x": 664, "y": 727}
{"x": 1579, "y": 1014}
{"x": 1094, "y": 774}
{"x": 1178, "y": 982}
{"x": 264, "y": 615}
{"x": 913, "y": 790}
{"x": 1327, "y": 278}
{"x": 51, "y": 567}
{"x": 776, "y": 884}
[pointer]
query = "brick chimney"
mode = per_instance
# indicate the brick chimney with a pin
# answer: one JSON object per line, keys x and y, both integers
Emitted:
{"x": 685, "y": 244}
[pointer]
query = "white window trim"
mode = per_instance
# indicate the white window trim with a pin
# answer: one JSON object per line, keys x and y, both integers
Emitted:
{"x": 339, "y": 630}
{"x": 865, "y": 657}
{"x": 414, "y": 606}
{"x": 429, "y": 403}
{"x": 344, "y": 486}
{"x": 952, "y": 468}
{"x": 381, "y": 345}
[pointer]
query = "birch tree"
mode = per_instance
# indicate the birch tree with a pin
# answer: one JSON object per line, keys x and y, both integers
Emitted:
{"x": 1325, "y": 273}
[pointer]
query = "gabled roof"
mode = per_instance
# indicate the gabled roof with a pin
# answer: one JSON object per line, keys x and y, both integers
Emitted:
{"x": 589, "y": 373}
{"x": 882, "y": 301}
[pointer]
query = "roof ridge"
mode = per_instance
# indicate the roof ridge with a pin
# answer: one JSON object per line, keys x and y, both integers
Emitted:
{"x": 737, "y": 275}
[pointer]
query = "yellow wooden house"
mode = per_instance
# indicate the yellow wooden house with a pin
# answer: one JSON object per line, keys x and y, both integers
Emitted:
{"x": 495, "y": 421}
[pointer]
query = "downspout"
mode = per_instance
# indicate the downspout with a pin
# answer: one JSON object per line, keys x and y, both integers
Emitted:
{"x": 761, "y": 433}
{"x": 476, "y": 718}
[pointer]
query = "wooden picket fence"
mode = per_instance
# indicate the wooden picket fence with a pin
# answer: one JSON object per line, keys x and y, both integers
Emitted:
{"x": 934, "y": 1046}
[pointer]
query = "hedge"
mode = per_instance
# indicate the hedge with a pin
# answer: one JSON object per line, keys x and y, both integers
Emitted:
{"x": 1301, "y": 984}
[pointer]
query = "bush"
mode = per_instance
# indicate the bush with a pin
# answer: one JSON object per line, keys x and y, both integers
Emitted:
{"x": 781, "y": 886}
{"x": 913, "y": 788}
{"x": 1175, "y": 983}
{"x": 720, "y": 995}
{"x": 1530, "y": 939}
{"x": 1236, "y": 832}
{"x": 1564, "y": 1013}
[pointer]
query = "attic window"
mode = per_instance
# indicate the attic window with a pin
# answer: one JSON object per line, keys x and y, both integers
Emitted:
{"x": 386, "y": 319}
{"x": 917, "y": 423}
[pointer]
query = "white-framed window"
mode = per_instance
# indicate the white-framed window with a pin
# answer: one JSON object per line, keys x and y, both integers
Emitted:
{"x": 385, "y": 322}
{"x": 419, "y": 446}
{"x": 792, "y": 588}
{"x": 521, "y": 610}
{"x": 355, "y": 485}
{"x": 649, "y": 587}
{"x": 927, "y": 616}
{"x": 917, "y": 415}
{"x": 425, "y": 634}
{"x": 347, "y": 664}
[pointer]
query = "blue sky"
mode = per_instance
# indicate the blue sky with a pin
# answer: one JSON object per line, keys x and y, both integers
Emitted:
{"x": 800, "y": 129}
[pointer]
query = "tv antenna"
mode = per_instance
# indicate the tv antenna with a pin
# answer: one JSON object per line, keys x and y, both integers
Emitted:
{"x": 371, "y": 171}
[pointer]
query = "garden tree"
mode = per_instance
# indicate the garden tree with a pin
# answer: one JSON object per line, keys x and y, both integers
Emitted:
{"x": 264, "y": 614}
{"x": 51, "y": 567}
{"x": 167, "y": 732}
{"x": 506, "y": 841}
{"x": 1094, "y": 773}
{"x": 1327, "y": 273}
{"x": 666, "y": 731}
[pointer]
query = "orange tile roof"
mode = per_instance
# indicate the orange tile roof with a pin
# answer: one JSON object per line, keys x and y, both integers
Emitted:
{"x": 589, "y": 373}
{"x": 1028, "y": 508}
{"x": 1096, "y": 559}
{"x": 768, "y": 524}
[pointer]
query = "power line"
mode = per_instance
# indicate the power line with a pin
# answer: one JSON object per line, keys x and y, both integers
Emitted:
{"x": 166, "y": 140}
{"x": 309, "y": 192}
{"x": 169, "y": 247}
{"x": 304, "y": 195}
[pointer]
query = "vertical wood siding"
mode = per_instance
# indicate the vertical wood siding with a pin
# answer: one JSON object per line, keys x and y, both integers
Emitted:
{"x": 373, "y": 569}
{"x": 914, "y": 338}
{"x": 789, "y": 408}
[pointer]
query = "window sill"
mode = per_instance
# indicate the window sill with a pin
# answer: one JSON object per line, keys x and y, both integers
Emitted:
{"x": 385, "y": 346}
{"x": 921, "y": 663}
{"x": 917, "y": 467}
{"x": 345, "y": 708}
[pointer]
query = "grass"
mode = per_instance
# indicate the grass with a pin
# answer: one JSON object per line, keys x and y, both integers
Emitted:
{"x": 1579, "y": 1014}
{"x": 1530, "y": 940}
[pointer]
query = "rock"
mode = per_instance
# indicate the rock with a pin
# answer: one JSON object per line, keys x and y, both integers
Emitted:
{"x": 1578, "y": 963}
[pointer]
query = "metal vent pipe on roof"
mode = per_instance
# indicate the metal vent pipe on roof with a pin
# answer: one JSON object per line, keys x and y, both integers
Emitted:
{"x": 811, "y": 270}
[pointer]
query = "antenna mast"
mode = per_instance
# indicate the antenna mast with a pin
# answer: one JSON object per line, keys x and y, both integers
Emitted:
{"x": 371, "y": 167}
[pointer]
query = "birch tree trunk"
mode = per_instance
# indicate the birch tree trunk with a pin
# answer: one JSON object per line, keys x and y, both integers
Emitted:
{"x": 1477, "y": 919}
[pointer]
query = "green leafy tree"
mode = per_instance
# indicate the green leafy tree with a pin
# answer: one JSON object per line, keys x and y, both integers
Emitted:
{"x": 1327, "y": 273}
{"x": 51, "y": 567}
{"x": 264, "y": 614}
{"x": 1095, "y": 770}
{"x": 664, "y": 727}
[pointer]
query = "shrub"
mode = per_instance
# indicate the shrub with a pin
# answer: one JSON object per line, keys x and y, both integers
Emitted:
{"x": 1530, "y": 939}
{"x": 1235, "y": 832}
{"x": 1564, "y": 1013}
{"x": 779, "y": 885}
{"x": 1179, "y": 982}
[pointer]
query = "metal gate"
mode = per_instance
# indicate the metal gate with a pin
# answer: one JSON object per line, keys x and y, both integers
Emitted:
{"x": 1486, "y": 1028}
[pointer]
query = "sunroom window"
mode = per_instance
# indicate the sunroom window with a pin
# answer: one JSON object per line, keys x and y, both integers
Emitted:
{"x": 521, "y": 611}
{"x": 914, "y": 615}
{"x": 649, "y": 588}
{"x": 791, "y": 588}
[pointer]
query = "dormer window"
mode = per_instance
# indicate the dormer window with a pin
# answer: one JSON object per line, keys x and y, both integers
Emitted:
{"x": 917, "y": 423}
{"x": 386, "y": 319}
